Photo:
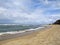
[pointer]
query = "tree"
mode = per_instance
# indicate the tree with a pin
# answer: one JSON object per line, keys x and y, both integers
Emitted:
{"x": 57, "y": 22}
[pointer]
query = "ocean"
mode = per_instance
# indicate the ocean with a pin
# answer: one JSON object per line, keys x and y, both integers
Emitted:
{"x": 16, "y": 28}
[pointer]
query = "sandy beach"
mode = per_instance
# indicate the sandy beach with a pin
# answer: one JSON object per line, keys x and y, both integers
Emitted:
{"x": 47, "y": 36}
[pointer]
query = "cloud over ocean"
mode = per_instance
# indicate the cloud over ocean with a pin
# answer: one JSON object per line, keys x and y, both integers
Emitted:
{"x": 29, "y": 11}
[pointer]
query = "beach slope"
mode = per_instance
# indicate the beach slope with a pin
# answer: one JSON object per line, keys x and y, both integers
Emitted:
{"x": 48, "y": 36}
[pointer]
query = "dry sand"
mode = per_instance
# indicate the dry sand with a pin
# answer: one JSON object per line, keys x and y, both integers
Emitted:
{"x": 47, "y": 36}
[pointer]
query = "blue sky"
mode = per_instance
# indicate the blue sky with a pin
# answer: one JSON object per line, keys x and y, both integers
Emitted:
{"x": 29, "y": 11}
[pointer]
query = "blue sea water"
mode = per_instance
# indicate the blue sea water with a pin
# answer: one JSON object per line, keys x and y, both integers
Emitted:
{"x": 14, "y": 27}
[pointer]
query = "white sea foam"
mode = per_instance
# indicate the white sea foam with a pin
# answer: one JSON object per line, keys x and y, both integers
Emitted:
{"x": 13, "y": 32}
{"x": 36, "y": 28}
{"x": 16, "y": 32}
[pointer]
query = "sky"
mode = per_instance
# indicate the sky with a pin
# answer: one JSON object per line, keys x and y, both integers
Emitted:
{"x": 29, "y": 11}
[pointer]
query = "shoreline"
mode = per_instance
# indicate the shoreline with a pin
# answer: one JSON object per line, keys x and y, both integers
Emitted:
{"x": 23, "y": 33}
{"x": 50, "y": 35}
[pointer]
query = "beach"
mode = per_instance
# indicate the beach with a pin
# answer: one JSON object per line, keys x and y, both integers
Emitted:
{"x": 46, "y": 36}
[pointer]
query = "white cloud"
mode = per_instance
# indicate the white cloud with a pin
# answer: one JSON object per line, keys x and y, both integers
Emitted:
{"x": 2, "y": 10}
{"x": 20, "y": 12}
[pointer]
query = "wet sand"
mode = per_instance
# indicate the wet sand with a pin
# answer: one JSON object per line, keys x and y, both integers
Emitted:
{"x": 47, "y": 36}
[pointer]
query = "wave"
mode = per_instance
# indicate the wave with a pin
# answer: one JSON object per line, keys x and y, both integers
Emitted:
{"x": 16, "y": 32}
{"x": 12, "y": 32}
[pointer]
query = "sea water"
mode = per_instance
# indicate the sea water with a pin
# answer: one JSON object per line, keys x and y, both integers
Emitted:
{"x": 16, "y": 28}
